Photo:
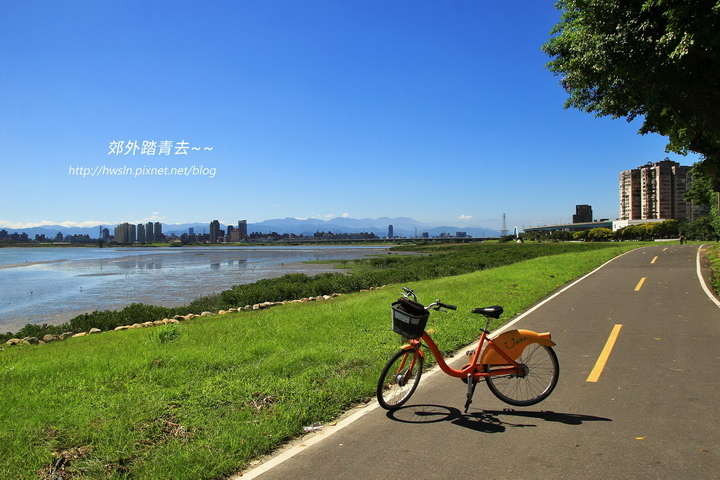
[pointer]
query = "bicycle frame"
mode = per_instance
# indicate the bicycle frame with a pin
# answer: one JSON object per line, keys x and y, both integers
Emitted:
{"x": 499, "y": 353}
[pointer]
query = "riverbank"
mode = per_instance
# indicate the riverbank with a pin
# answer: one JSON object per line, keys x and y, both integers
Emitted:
{"x": 151, "y": 403}
{"x": 364, "y": 274}
{"x": 53, "y": 286}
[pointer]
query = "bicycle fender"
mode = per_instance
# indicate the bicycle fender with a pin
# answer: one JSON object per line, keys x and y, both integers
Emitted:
{"x": 407, "y": 346}
{"x": 513, "y": 343}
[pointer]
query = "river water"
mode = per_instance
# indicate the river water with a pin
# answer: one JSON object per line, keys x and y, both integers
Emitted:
{"x": 53, "y": 285}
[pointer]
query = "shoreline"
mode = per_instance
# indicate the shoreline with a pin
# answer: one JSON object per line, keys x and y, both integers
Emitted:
{"x": 29, "y": 264}
{"x": 162, "y": 296}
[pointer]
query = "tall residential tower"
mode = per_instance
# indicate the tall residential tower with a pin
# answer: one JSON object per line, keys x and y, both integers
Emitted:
{"x": 655, "y": 191}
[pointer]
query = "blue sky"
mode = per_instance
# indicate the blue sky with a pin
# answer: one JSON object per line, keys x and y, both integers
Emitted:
{"x": 439, "y": 111}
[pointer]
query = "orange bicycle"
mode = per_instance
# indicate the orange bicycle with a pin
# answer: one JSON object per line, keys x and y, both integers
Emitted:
{"x": 519, "y": 366}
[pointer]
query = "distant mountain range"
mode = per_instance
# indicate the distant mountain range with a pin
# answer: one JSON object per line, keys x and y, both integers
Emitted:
{"x": 402, "y": 227}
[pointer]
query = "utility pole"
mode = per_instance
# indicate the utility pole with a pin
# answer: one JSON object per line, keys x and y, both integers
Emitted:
{"x": 504, "y": 230}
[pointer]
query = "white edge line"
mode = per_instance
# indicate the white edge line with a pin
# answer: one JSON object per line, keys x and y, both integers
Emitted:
{"x": 705, "y": 287}
{"x": 301, "y": 445}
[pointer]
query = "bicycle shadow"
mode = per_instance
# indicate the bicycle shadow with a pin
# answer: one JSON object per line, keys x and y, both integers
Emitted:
{"x": 486, "y": 421}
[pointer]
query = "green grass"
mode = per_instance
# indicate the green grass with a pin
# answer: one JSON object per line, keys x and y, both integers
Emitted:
{"x": 713, "y": 254}
{"x": 201, "y": 399}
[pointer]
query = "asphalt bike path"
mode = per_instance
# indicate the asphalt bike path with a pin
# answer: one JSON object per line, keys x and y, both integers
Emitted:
{"x": 638, "y": 395}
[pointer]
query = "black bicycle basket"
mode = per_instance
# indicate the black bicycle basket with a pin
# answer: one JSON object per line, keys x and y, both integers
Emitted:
{"x": 409, "y": 318}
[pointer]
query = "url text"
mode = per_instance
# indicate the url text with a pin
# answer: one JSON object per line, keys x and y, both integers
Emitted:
{"x": 125, "y": 171}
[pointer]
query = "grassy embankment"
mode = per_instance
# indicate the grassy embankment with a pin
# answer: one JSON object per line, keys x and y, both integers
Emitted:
{"x": 445, "y": 260}
{"x": 713, "y": 254}
{"x": 201, "y": 399}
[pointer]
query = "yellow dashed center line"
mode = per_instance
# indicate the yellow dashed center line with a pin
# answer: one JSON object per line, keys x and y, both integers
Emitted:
{"x": 654, "y": 260}
{"x": 640, "y": 284}
{"x": 602, "y": 359}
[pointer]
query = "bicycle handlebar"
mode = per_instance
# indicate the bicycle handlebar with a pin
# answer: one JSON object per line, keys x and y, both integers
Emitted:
{"x": 445, "y": 305}
{"x": 437, "y": 304}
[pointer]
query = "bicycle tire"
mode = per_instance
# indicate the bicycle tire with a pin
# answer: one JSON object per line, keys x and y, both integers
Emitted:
{"x": 399, "y": 379}
{"x": 542, "y": 372}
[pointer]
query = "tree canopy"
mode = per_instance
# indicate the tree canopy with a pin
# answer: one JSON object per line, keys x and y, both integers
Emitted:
{"x": 700, "y": 193}
{"x": 657, "y": 60}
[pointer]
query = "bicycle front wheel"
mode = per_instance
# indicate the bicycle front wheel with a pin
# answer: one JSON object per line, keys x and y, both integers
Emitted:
{"x": 399, "y": 379}
{"x": 541, "y": 371}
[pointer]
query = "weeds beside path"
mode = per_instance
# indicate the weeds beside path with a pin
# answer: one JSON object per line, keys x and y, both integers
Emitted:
{"x": 201, "y": 399}
{"x": 713, "y": 254}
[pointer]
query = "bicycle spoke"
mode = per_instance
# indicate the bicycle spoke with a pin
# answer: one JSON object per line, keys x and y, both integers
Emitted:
{"x": 538, "y": 381}
{"x": 399, "y": 379}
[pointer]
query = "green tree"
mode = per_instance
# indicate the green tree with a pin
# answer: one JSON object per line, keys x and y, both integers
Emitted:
{"x": 657, "y": 60}
{"x": 701, "y": 193}
{"x": 580, "y": 235}
{"x": 668, "y": 228}
{"x": 643, "y": 231}
{"x": 633, "y": 232}
{"x": 562, "y": 235}
{"x": 600, "y": 234}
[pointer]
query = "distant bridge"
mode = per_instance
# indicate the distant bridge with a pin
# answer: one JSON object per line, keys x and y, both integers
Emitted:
{"x": 571, "y": 227}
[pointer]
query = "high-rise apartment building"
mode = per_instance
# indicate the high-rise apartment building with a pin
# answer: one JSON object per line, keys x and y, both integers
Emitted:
{"x": 149, "y": 232}
{"x": 215, "y": 231}
{"x": 655, "y": 191}
{"x": 141, "y": 233}
{"x": 125, "y": 233}
{"x": 237, "y": 234}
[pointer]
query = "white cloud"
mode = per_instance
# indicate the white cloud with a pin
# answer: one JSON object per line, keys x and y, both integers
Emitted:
{"x": 318, "y": 216}
{"x": 154, "y": 217}
{"x": 465, "y": 217}
{"x": 44, "y": 223}
{"x": 345, "y": 215}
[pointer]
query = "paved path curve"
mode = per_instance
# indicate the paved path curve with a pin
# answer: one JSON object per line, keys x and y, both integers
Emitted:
{"x": 652, "y": 413}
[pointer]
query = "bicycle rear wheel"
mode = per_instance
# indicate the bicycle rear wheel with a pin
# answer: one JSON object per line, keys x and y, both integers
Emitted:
{"x": 399, "y": 379}
{"x": 538, "y": 381}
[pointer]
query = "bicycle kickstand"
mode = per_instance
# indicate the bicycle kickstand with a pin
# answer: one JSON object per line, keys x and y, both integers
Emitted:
{"x": 470, "y": 391}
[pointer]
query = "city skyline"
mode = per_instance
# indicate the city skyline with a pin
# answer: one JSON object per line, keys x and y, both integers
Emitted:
{"x": 665, "y": 184}
{"x": 443, "y": 113}
{"x": 94, "y": 224}
{"x": 215, "y": 229}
